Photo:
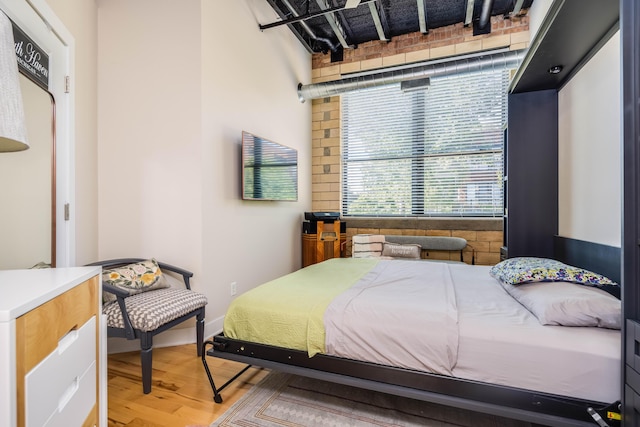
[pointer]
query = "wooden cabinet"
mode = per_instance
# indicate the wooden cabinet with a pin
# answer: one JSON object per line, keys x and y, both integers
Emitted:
{"x": 322, "y": 241}
{"x": 50, "y": 328}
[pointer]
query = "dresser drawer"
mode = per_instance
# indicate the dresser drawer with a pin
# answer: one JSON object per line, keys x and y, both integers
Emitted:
{"x": 49, "y": 384}
{"x": 39, "y": 331}
{"x": 76, "y": 404}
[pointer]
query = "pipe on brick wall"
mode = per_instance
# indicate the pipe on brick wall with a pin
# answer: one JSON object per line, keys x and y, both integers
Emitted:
{"x": 456, "y": 66}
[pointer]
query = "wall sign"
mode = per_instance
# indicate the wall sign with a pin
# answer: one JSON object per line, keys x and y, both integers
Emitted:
{"x": 32, "y": 60}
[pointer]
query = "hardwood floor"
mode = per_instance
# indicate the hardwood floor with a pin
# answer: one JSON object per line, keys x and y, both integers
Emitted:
{"x": 180, "y": 396}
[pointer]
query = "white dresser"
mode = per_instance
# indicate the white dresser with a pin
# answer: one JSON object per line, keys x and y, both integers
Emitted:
{"x": 51, "y": 347}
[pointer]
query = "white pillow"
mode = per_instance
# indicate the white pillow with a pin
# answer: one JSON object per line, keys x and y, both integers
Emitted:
{"x": 568, "y": 304}
{"x": 397, "y": 250}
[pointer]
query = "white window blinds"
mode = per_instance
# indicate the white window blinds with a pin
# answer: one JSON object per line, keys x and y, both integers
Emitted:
{"x": 427, "y": 152}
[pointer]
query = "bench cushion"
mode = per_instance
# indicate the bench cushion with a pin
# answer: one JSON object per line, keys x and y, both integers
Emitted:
{"x": 150, "y": 310}
{"x": 434, "y": 243}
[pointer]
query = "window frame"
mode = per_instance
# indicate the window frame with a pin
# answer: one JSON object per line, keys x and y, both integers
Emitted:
{"x": 418, "y": 171}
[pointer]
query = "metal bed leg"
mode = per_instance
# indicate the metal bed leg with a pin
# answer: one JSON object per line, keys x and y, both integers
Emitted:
{"x": 216, "y": 391}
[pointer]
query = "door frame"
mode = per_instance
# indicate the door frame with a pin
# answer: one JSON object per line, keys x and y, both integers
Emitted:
{"x": 39, "y": 22}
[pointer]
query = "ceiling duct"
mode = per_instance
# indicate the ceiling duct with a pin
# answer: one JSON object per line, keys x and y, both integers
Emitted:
{"x": 457, "y": 66}
{"x": 308, "y": 29}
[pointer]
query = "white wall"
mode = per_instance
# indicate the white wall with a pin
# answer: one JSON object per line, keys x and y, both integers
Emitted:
{"x": 250, "y": 83}
{"x": 589, "y": 156}
{"x": 176, "y": 89}
{"x": 149, "y": 131}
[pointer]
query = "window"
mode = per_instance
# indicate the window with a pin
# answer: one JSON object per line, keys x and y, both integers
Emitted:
{"x": 427, "y": 152}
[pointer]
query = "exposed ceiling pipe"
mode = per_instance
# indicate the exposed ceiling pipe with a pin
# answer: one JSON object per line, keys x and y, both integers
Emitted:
{"x": 308, "y": 29}
{"x": 327, "y": 89}
{"x": 485, "y": 14}
{"x": 334, "y": 24}
{"x": 297, "y": 17}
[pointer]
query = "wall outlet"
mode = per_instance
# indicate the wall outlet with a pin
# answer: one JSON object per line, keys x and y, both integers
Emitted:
{"x": 234, "y": 288}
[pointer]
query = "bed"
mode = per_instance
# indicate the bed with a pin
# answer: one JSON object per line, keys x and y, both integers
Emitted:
{"x": 447, "y": 333}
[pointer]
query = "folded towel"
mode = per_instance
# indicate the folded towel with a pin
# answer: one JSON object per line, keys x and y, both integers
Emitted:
{"x": 366, "y": 254}
{"x": 367, "y": 247}
{"x": 368, "y": 238}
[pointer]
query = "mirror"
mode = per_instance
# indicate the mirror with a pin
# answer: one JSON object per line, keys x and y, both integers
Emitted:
{"x": 27, "y": 188}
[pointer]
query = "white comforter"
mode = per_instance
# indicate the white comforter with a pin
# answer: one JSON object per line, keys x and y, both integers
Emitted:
{"x": 419, "y": 328}
{"x": 456, "y": 319}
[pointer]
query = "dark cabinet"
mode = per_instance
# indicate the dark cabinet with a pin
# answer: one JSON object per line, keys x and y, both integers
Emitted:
{"x": 531, "y": 172}
{"x": 565, "y": 42}
{"x": 630, "y": 41}
{"x": 571, "y": 33}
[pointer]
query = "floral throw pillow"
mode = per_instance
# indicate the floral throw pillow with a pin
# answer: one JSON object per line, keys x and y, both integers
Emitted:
{"x": 515, "y": 271}
{"x": 134, "y": 278}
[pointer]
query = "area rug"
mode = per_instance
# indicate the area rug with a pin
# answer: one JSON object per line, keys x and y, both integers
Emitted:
{"x": 290, "y": 400}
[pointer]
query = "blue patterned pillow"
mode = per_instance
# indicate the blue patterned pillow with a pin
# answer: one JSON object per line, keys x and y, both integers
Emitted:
{"x": 515, "y": 271}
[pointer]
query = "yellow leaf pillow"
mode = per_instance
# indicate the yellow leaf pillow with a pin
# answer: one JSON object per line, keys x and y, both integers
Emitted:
{"x": 134, "y": 278}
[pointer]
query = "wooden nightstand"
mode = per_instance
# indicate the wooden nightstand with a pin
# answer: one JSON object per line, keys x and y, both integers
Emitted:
{"x": 322, "y": 241}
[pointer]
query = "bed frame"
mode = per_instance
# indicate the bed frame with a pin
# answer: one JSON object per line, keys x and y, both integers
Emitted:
{"x": 510, "y": 402}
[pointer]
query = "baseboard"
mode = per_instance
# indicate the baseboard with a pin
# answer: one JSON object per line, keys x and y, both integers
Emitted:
{"x": 172, "y": 337}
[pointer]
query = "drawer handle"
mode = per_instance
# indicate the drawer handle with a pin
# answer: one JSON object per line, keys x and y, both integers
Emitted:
{"x": 67, "y": 340}
{"x": 68, "y": 394}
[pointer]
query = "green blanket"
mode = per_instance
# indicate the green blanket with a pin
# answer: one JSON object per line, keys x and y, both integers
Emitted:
{"x": 288, "y": 311}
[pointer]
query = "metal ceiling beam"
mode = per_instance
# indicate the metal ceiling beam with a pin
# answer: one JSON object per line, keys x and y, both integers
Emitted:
{"x": 517, "y": 7}
{"x": 380, "y": 7}
{"x": 298, "y": 18}
{"x": 333, "y": 23}
{"x": 295, "y": 32}
{"x": 305, "y": 42}
{"x": 377, "y": 22}
{"x": 469, "y": 16}
{"x": 422, "y": 16}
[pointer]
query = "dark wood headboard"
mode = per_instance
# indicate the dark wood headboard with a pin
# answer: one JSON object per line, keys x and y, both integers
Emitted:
{"x": 602, "y": 259}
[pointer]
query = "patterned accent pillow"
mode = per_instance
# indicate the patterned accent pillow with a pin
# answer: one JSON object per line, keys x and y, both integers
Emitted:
{"x": 515, "y": 271}
{"x": 134, "y": 278}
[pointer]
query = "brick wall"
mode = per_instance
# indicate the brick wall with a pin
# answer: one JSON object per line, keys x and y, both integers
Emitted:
{"x": 483, "y": 246}
{"x": 410, "y": 48}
